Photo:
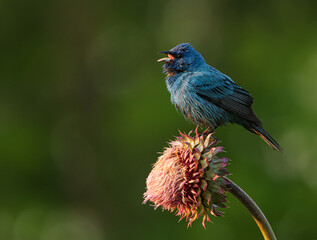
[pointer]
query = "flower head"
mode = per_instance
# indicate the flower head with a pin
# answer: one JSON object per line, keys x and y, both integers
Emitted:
{"x": 189, "y": 177}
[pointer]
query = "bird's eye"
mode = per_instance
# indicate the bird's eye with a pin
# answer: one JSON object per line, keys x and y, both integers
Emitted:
{"x": 179, "y": 55}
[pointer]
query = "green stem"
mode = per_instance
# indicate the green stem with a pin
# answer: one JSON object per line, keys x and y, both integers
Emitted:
{"x": 254, "y": 210}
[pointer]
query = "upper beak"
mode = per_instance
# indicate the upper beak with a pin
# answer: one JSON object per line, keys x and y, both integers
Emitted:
{"x": 166, "y": 52}
{"x": 167, "y": 59}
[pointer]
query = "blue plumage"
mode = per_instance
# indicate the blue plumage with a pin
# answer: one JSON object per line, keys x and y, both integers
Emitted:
{"x": 206, "y": 96}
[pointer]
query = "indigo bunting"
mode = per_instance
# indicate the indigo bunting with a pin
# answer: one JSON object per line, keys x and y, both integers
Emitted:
{"x": 206, "y": 96}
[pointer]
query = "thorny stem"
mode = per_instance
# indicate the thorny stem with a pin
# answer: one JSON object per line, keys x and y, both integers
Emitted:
{"x": 254, "y": 210}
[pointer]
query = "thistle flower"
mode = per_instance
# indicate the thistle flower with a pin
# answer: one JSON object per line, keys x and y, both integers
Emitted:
{"x": 189, "y": 177}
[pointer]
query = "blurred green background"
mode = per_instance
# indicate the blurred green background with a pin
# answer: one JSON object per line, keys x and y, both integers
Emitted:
{"x": 85, "y": 111}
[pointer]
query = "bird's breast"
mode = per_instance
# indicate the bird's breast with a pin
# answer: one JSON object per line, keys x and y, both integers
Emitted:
{"x": 189, "y": 103}
{"x": 197, "y": 109}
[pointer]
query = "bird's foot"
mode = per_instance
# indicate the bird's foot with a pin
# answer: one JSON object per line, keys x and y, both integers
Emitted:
{"x": 208, "y": 131}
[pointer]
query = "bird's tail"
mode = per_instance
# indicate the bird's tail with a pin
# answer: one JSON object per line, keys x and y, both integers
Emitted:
{"x": 259, "y": 130}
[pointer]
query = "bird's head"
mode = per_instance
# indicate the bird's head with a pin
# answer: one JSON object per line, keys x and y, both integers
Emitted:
{"x": 181, "y": 58}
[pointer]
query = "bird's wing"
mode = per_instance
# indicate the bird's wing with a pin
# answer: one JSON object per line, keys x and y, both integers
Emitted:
{"x": 223, "y": 92}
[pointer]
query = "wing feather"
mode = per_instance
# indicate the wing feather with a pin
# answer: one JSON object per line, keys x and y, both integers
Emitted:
{"x": 224, "y": 93}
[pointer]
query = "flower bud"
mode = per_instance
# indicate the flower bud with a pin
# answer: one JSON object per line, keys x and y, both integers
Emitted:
{"x": 189, "y": 177}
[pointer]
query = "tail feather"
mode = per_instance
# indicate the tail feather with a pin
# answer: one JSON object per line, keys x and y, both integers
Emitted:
{"x": 259, "y": 130}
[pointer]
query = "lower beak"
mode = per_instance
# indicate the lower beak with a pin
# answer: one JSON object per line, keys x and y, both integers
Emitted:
{"x": 165, "y": 60}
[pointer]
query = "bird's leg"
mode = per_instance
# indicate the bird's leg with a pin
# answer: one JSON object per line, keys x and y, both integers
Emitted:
{"x": 206, "y": 132}
{"x": 209, "y": 130}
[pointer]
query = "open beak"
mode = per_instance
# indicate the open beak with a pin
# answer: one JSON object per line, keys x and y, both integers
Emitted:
{"x": 167, "y": 59}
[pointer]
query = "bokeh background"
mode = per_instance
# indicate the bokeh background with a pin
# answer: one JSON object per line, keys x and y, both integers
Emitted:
{"x": 85, "y": 111}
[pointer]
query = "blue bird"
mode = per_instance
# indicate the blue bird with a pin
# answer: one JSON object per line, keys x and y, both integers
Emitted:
{"x": 206, "y": 96}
